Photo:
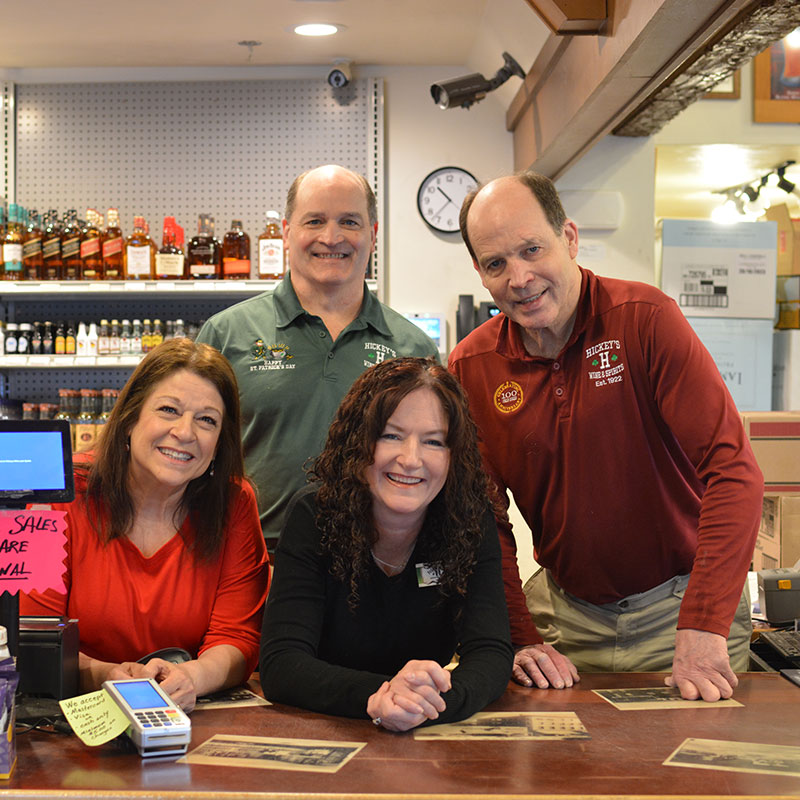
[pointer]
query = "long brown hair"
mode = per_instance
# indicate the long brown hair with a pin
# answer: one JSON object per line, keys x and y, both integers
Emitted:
{"x": 453, "y": 522}
{"x": 206, "y": 498}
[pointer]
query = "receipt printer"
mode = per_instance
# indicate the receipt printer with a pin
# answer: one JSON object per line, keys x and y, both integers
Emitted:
{"x": 48, "y": 656}
{"x": 779, "y": 594}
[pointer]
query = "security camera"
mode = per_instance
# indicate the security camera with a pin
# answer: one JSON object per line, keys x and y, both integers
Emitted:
{"x": 340, "y": 75}
{"x": 463, "y": 92}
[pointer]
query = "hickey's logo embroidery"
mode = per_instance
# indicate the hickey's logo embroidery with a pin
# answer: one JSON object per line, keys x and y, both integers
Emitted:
{"x": 605, "y": 366}
{"x": 508, "y": 397}
{"x": 376, "y": 353}
{"x": 274, "y": 356}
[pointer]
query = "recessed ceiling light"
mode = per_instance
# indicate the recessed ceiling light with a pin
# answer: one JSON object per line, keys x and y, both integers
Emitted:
{"x": 317, "y": 29}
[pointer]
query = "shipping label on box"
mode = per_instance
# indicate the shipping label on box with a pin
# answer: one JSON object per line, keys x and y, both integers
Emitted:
{"x": 714, "y": 270}
{"x": 742, "y": 351}
{"x": 775, "y": 439}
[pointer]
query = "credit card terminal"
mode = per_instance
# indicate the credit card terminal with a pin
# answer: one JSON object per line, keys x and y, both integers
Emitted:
{"x": 158, "y": 727}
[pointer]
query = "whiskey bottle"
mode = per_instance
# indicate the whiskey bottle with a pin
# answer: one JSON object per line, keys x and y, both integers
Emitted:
{"x": 71, "y": 247}
{"x": 12, "y": 246}
{"x": 51, "y": 247}
{"x": 169, "y": 259}
{"x": 140, "y": 263}
{"x": 91, "y": 247}
{"x": 204, "y": 252}
{"x": 236, "y": 253}
{"x": 112, "y": 248}
{"x": 32, "y": 263}
{"x": 271, "y": 265}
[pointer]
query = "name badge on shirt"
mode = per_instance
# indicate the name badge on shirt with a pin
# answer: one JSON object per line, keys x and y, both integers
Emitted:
{"x": 426, "y": 575}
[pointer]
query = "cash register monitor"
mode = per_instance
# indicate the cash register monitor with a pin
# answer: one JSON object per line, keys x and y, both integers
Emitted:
{"x": 435, "y": 325}
{"x": 35, "y": 462}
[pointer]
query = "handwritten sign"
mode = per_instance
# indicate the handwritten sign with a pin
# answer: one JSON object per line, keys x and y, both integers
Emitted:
{"x": 95, "y": 717}
{"x": 32, "y": 550}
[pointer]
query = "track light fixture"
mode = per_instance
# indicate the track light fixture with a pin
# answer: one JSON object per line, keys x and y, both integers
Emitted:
{"x": 736, "y": 197}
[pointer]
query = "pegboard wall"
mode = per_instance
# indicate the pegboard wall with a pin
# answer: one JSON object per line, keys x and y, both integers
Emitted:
{"x": 228, "y": 148}
{"x": 7, "y": 145}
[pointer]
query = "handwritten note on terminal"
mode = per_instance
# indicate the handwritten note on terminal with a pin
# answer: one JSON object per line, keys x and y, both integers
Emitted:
{"x": 32, "y": 550}
{"x": 95, "y": 717}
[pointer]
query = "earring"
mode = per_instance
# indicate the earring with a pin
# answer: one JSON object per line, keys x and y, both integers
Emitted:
{"x": 211, "y": 468}
{"x": 128, "y": 444}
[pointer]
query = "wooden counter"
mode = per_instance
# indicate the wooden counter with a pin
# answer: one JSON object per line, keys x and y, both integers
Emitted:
{"x": 623, "y": 758}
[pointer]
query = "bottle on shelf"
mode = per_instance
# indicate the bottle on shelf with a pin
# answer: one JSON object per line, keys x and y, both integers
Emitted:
{"x": 47, "y": 339}
{"x": 102, "y": 338}
{"x": 12, "y": 246}
{"x": 113, "y": 338}
{"x": 51, "y": 247}
{"x": 71, "y": 247}
{"x": 85, "y": 425}
{"x": 271, "y": 264}
{"x": 91, "y": 340}
{"x": 136, "y": 337}
{"x": 24, "y": 337}
{"x": 170, "y": 259}
{"x": 180, "y": 331}
{"x": 236, "y": 253}
{"x": 37, "y": 340}
{"x": 108, "y": 398}
{"x": 12, "y": 337}
{"x": 70, "y": 340}
{"x": 113, "y": 268}
{"x": 59, "y": 343}
{"x": 32, "y": 262}
{"x": 147, "y": 336}
{"x": 91, "y": 246}
{"x": 81, "y": 344}
{"x": 140, "y": 263}
{"x": 64, "y": 407}
{"x": 125, "y": 338}
{"x": 157, "y": 334}
{"x": 204, "y": 251}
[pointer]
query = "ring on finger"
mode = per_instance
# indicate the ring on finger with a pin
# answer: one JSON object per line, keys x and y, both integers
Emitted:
{"x": 377, "y": 722}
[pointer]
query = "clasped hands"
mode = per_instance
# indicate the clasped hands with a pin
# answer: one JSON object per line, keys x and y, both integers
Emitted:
{"x": 410, "y": 697}
{"x": 174, "y": 679}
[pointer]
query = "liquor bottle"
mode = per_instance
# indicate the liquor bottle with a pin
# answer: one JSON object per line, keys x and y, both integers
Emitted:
{"x": 59, "y": 340}
{"x": 92, "y": 339}
{"x": 169, "y": 259}
{"x": 12, "y": 246}
{"x": 24, "y": 338}
{"x": 11, "y": 338}
{"x": 47, "y": 339}
{"x": 64, "y": 407}
{"x": 109, "y": 397}
{"x": 102, "y": 338}
{"x": 71, "y": 247}
{"x": 140, "y": 263}
{"x": 147, "y": 336}
{"x": 125, "y": 339}
{"x": 136, "y": 338}
{"x": 169, "y": 330}
{"x": 70, "y": 342}
{"x": 204, "y": 252}
{"x": 113, "y": 338}
{"x": 51, "y": 247}
{"x": 113, "y": 269}
{"x": 81, "y": 348}
{"x": 85, "y": 425}
{"x": 236, "y": 253}
{"x": 91, "y": 247}
{"x": 32, "y": 263}
{"x": 271, "y": 265}
{"x": 36, "y": 339}
{"x": 157, "y": 335}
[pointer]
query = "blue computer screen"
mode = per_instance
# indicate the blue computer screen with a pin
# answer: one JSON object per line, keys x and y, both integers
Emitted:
{"x": 31, "y": 460}
{"x": 140, "y": 694}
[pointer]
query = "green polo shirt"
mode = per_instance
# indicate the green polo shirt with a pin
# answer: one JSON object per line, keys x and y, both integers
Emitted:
{"x": 292, "y": 377}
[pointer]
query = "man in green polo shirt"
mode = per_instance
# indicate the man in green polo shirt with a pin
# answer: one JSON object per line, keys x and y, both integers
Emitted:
{"x": 297, "y": 350}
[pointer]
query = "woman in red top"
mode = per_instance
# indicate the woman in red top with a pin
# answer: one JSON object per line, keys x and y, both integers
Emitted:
{"x": 164, "y": 545}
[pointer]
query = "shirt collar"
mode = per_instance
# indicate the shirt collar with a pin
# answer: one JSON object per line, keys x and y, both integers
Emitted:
{"x": 288, "y": 308}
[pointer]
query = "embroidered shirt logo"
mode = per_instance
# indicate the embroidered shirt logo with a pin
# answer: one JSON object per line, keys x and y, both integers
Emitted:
{"x": 605, "y": 366}
{"x": 273, "y": 356}
{"x": 375, "y": 353}
{"x": 508, "y": 397}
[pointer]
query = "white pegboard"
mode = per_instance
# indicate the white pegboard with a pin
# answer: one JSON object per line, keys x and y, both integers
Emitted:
{"x": 7, "y": 142}
{"x": 228, "y": 148}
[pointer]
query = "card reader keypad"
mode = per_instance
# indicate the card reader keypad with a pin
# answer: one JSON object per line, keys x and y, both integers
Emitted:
{"x": 158, "y": 719}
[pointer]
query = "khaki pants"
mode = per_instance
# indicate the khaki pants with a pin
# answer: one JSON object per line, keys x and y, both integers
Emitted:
{"x": 636, "y": 634}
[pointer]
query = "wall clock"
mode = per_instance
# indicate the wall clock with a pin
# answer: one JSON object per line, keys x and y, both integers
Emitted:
{"x": 440, "y": 195}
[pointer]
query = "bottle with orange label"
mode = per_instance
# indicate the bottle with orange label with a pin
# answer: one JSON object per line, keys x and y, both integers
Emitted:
{"x": 112, "y": 248}
{"x": 140, "y": 262}
{"x": 236, "y": 252}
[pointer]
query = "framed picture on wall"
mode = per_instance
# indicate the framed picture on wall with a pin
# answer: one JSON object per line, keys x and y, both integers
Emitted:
{"x": 776, "y": 81}
{"x": 727, "y": 89}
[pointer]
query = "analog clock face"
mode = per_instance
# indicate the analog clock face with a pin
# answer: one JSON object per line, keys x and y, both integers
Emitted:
{"x": 440, "y": 196}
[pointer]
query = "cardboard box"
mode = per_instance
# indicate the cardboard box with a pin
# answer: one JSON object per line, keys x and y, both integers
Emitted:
{"x": 714, "y": 270}
{"x": 775, "y": 439}
{"x": 796, "y": 259}
{"x": 786, "y": 371}
{"x": 789, "y": 516}
{"x": 767, "y": 553}
{"x": 742, "y": 351}
{"x": 785, "y": 253}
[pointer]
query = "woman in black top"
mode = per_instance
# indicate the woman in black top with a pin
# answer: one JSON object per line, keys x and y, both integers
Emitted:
{"x": 389, "y": 563}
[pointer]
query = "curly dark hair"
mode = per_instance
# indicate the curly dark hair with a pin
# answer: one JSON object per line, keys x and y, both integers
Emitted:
{"x": 206, "y": 499}
{"x": 453, "y": 523}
